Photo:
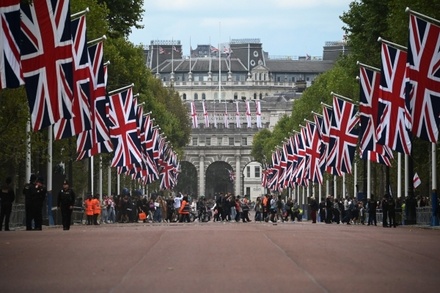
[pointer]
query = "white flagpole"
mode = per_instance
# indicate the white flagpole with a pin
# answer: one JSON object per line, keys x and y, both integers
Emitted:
{"x": 91, "y": 175}
{"x": 100, "y": 179}
{"x": 355, "y": 179}
{"x": 406, "y": 175}
{"x": 369, "y": 179}
{"x": 28, "y": 150}
{"x": 399, "y": 175}
{"x": 49, "y": 175}
{"x": 109, "y": 179}
{"x": 433, "y": 166}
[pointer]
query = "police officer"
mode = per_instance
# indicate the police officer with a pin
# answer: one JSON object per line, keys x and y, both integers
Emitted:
{"x": 28, "y": 190}
{"x": 37, "y": 200}
{"x": 65, "y": 202}
{"x": 7, "y": 197}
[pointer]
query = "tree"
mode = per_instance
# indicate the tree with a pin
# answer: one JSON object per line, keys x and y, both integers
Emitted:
{"x": 123, "y": 15}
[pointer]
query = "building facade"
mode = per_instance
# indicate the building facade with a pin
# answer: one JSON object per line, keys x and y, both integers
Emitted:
{"x": 229, "y": 91}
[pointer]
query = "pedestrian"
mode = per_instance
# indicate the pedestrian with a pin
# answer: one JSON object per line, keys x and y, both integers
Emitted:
{"x": 96, "y": 209}
{"x": 258, "y": 210}
{"x": 185, "y": 209}
{"x": 314, "y": 207}
{"x": 392, "y": 211}
{"x": 177, "y": 200}
{"x": 7, "y": 197}
{"x": 88, "y": 206}
{"x": 37, "y": 200}
{"x": 372, "y": 206}
{"x": 65, "y": 203}
{"x": 28, "y": 190}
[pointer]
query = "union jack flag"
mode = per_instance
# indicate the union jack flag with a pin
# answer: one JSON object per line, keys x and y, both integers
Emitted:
{"x": 323, "y": 130}
{"x": 313, "y": 153}
{"x": 423, "y": 70}
{"x": 97, "y": 139}
{"x": 393, "y": 115}
{"x": 343, "y": 137}
{"x": 368, "y": 110}
{"x": 82, "y": 82}
{"x": 11, "y": 75}
{"x": 275, "y": 171}
{"x": 289, "y": 153}
{"x": 237, "y": 115}
{"x": 123, "y": 129}
{"x": 258, "y": 113}
{"x": 47, "y": 62}
{"x": 300, "y": 146}
{"x": 195, "y": 123}
{"x": 205, "y": 115}
{"x": 225, "y": 117}
{"x": 148, "y": 140}
{"x": 169, "y": 171}
{"x": 248, "y": 115}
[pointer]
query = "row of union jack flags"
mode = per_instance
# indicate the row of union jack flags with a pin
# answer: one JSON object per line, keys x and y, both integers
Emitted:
{"x": 397, "y": 101}
{"x": 65, "y": 79}
{"x": 326, "y": 144}
{"x": 225, "y": 114}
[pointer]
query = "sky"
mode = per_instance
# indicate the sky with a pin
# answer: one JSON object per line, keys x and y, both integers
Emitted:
{"x": 284, "y": 27}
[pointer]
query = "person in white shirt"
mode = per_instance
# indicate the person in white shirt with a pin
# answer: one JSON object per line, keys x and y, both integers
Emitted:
{"x": 176, "y": 205}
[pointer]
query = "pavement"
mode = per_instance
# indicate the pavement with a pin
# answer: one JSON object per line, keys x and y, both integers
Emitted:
{"x": 221, "y": 257}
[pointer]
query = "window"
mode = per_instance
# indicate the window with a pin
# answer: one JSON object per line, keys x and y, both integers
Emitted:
{"x": 194, "y": 141}
{"x": 203, "y": 96}
{"x": 244, "y": 141}
{"x": 257, "y": 171}
{"x": 184, "y": 96}
{"x": 248, "y": 171}
{"x": 208, "y": 141}
{"x": 231, "y": 141}
{"x": 196, "y": 96}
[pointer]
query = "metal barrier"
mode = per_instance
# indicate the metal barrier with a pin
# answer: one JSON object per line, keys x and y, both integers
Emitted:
{"x": 423, "y": 216}
{"x": 18, "y": 216}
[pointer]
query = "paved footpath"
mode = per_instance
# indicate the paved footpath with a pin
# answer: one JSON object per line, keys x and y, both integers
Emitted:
{"x": 221, "y": 257}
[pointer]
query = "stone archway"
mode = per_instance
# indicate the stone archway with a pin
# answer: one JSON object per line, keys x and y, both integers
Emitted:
{"x": 187, "y": 181}
{"x": 218, "y": 179}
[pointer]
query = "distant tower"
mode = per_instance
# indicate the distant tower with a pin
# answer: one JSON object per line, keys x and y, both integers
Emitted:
{"x": 250, "y": 50}
{"x": 161, "y": 50}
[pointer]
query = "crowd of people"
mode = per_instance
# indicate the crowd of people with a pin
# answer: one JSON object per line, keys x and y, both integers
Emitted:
{"x": 225, "y": 207}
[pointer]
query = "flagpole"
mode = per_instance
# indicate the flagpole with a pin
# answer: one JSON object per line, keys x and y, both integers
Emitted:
{"x": 49, "y": 175}
{"x": 28, "y": 150}
{"x": 399, "y": 175}
{"x": 121, "y": 89}
{"x": 397, "y": 46}
{"x": 79, "y": 14}
{"x": 104, "y": 37}
{"x": 368, "y": 66}
{"x": 425, "y": 17}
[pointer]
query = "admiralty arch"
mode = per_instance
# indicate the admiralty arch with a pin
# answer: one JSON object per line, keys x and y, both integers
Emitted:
{"x": 222, "y": 86}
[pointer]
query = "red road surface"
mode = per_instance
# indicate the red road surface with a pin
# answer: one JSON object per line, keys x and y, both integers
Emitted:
{"x": 221, "y": 257}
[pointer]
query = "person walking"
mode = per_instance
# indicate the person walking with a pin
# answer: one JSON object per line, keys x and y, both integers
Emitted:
{"x": 7, "y": 197}
{"x": 65, "y": 203}
{"x": 184, "y": 210}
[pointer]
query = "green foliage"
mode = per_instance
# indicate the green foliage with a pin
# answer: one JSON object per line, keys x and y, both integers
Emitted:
{"x": 123, "y": 15}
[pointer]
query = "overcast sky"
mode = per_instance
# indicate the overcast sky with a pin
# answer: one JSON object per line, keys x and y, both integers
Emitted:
{"x": 284, "y": 27}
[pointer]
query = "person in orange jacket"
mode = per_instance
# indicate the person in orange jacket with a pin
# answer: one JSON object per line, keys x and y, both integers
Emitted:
{"x": 184, "y": 210}
{"x": 96, "y": 209}
{"x": 88, "y": 205}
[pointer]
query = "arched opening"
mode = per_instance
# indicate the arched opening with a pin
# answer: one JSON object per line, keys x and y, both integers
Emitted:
{"x": 218, "y": 179}
{"x": 187, "y": 180}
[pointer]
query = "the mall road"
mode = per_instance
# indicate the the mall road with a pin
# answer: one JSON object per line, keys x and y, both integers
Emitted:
{"x": 221, "y": 257}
